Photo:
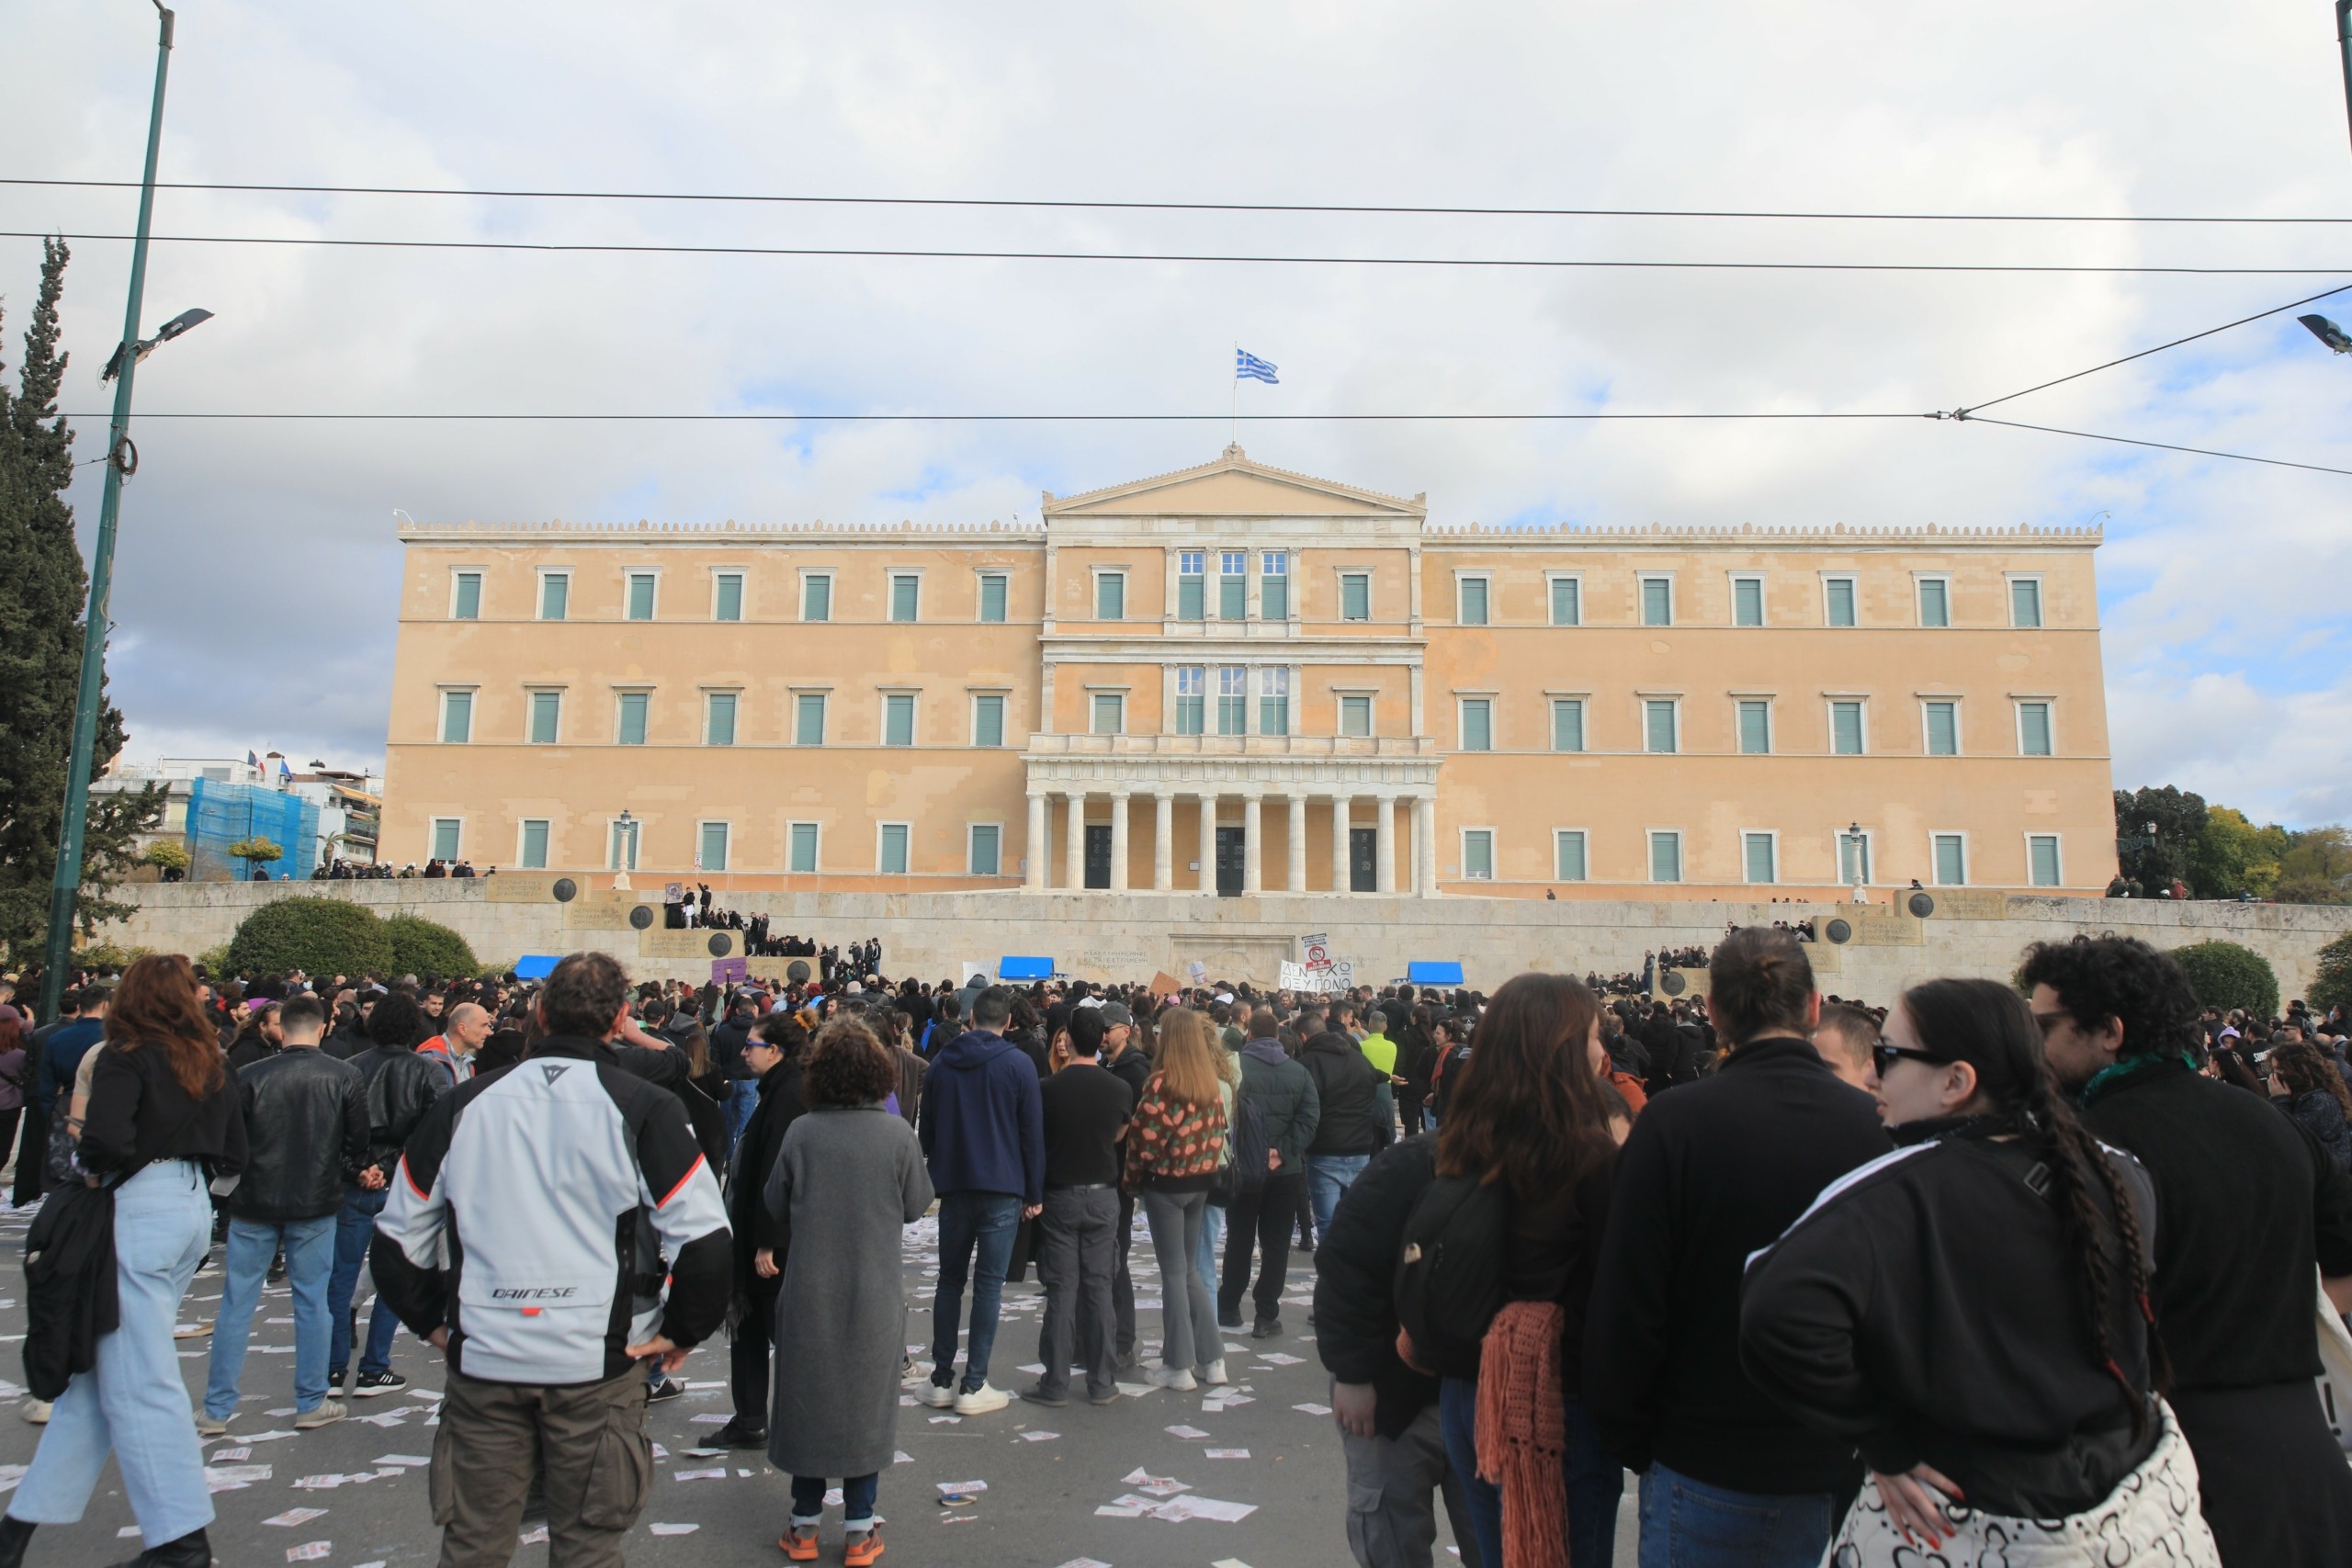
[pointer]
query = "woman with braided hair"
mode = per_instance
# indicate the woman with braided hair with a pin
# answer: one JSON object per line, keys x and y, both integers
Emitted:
{"x": 1971, "y": 1313}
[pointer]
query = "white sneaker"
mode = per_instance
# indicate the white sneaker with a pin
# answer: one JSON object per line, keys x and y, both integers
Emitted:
{"x": 1214, "y": 1373}
{"x": 37, "y": 1411}
{"x": 211, "y": 1425}
{"x": 1176, "y": 1378}
{"x": 325, "y": 1414}
{"x": 938, "y": 1398}
{"x": 982, "y": 1400}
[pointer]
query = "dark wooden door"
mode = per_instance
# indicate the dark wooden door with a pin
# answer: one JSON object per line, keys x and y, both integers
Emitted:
{"x": 1363, "y": 859}
{"x": 1231, "y": 845}
{"x": 1098, "y": 855}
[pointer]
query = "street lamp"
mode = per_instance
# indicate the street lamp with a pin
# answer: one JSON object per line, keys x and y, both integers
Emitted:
{"x": 1862, "y": 872}
{"x": 628, "y": 825}
{"x": 2328, "y": 333}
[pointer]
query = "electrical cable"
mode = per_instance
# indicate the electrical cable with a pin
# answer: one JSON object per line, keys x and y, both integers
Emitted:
{"x": 988, "y": 418}
{"x": 2159, "y": 446}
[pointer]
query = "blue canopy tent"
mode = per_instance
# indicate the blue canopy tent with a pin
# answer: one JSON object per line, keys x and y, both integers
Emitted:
{"x": 1432, "y": 973}
{"x": 535, "y": 966}
{"x": 1012, "y": 968}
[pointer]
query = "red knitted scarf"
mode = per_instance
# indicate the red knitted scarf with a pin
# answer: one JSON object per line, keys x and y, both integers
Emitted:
{"x": 1523, "y": 1432}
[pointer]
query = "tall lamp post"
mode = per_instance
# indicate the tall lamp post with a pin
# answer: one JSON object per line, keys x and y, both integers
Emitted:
{"x": 122, "y": 460}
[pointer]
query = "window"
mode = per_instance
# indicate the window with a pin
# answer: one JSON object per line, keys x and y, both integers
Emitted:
{"x": 1274, "y": 585}
{"x": 985, "y": 854}
{"x": 457, "y": 717}
{"x": 1478, "y": 854}
{"x": 1110, "y": 595}
{"x": 1110, "y": 713}
{"x": 1755, "y": 726}
{"x": 1273, "y": 701}
{"x": 1748, "y": 601}
{"x": 1567, "y": 601}
{"x": 1473, "y": 593}
{"x": 1846, "y": 728}
{"x": 710, "y": 854}
{"x": 1477, "y": 724}
{"x": 726, "y": 602}
{"x": 891, "y": 858}
{"x": 809, "y": 718}
{"x": 640, "y": 596}
{"x": 1191, "y": 700}
{"x": 718, "y": 720}
{"x": 993, "y": 596}
{"x": 531, "y": 854}
{"x": 1568, "y": 854}
{"x": 906, "y": 595}
{"x": 1658, "y": 726}
{"x": 1191, "y": 591}
{"x": 1943, "y": 729}
{"x": 897, "y": 718}
{"x": 1837, "y": 600}
{"x": 1759, "y": 857}
{"x": 2033, "y": 729}
{"x": 1666, "y": 857}
{"x": 466, "y": 597}
{"x": 1952, "y": 860}
{"x": 1853, "y": 857}
{"x": 802, "y": 854}
{"x": 555, "y": 595}
{"x": 446, "y": 834}
{"x": 1657, "y": 600}
{"x": 2024, "y": 609}
{"x": 987, "y": 719}
{"x": 1934, "y": 602}
{"x": 1355, "y": 595}
{"x": 1567, "y": 724}
{"x": 817, "y": 596}
{"x": 1355, "y": 714}
{"x": 1233, "y": 585}
{"x": 620, "y": 848}
{"x": 547, "y": 717}
{"x": 628, "y": 727}
{"x": 2042, "y": 859}
{"x": 1232, "y": 700}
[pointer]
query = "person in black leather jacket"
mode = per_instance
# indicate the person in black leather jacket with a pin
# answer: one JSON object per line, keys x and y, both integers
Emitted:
{"x": 306, "y": 1134}
{"x": 399, "y": 1088}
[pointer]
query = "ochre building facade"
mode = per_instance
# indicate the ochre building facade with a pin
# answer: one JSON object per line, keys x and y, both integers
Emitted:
{"x": 1237, "y": 678}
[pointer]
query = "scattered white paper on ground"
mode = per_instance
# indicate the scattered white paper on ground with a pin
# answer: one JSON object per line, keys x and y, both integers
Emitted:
{"x": 126, "y": 1532}
{"x": 900, "y": 1455}
{"x": 1136, "y": 1390}
{"x": 297, "y": 1517}
{"x": 954, "y": 1486}
{"x": 1228, "y": 1453}
{"x": 675, "y": 1529}
{"x": 267, "y": 1437}
{"x": 1229, "y": 1562}
{"x": 1280, "y": 1359}
{"x": 309, "y": 1551}
{"x": 717, "y": 1474}
{"x": 1314, "y": 1409}
{"x": 1204, "y": 1508}
{"x": 534, "y": 1538}
{"x": 403, "y": 1460}
{"x": 1035, "y": 1369}
{"x": 1039, "y": 1436}
{"x": 710, "y": 1420}
{"x": 947, "y": 1420}
{"x": 1085, "y": 1562}
{"x": 1163, "y": 1484}
{"x": 1190, "y": 1434}
{"x": 219, "y": 1454}
{"x": 1116, "y": 1511}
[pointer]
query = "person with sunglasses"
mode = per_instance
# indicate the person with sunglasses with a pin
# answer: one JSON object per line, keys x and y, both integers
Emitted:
{"x": 1971, "y": 1312}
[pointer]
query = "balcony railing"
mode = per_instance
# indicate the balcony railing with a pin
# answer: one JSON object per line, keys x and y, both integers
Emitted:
{"x": 1299, "y": 746}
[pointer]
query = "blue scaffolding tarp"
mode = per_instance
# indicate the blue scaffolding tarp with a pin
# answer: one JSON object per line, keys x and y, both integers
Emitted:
{"x": 219, "y": 814}
{"x": 535, "y": 965}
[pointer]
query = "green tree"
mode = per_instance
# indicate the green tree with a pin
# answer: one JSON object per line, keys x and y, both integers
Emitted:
{"x": 2177, "y": 817}
{"x": 2230, "y": 855}
{"x": 2333, "y": 987}
{"x": 317, "y": 936}
{"x": 258, "y": 852}
{"x": 2228, "y": 975}
{"x": 40, "y": 657}
{"x": 165, "y": 855}
{"x": 2317, "y": 868}
{"x": 424, "y": 948}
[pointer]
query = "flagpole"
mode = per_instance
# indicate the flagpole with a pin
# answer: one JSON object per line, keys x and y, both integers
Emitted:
{"x": 1233, "y": 431}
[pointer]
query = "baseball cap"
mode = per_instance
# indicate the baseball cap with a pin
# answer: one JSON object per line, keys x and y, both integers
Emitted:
{"x": 1115, "y": 1014}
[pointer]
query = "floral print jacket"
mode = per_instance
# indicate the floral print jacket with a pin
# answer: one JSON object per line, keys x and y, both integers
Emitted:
{"x": 1174, "y": 1143}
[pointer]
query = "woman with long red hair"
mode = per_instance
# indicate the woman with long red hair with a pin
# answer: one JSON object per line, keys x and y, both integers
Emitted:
{"x": 162, "y": 1121}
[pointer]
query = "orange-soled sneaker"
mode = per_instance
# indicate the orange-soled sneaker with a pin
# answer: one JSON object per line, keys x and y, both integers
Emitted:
{"x": 799, "y": 1543}
{"x": 859, "y": 1551}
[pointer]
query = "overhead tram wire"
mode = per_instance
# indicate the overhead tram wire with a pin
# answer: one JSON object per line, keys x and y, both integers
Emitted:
{"x": 2163, "y": 445}
{"x": 1307, "y": 208}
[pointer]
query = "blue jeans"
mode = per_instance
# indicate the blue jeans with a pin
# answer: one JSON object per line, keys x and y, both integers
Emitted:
{"x": 742, "y": 1099}
{"x": 1328, "y": 1176}
{"x": 1596, "y": 1482}
{"x": 133, "y": 1402}
{"x": 1688, "y": 1524}
{"x": 857, "y": 1500}
{"x": 970, "y": 1221}
{"x": 354, "y": 1228}
{"x": 310, "y": 1260}
{"x": 1212, "y": 1245}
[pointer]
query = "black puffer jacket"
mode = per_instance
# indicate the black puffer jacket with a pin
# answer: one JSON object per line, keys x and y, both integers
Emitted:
{"x": 1346, "y": 1086}
{"x": 401, "y": 1086}
{"x": 306, "y": 1134}
{"x": 2323, "y": 1118}
{"x": 1355, "y": 1273}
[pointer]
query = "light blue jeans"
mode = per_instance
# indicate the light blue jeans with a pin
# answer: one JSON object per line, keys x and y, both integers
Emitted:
{"x": 1328, "y": 1176}
{"x": 1212, "y": 1245}
{"x": 1688, "y": 1524}
{"x": 355, "y": 1229}
{"x": 309, "y": 1264}
{"x": 134, "y": 1403}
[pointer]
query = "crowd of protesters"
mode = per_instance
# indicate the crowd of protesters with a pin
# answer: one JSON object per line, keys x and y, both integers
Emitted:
{"x": 2034, "y": 1269}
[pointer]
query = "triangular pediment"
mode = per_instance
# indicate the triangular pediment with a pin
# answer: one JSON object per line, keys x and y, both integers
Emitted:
{"x": 1233, "y": 486}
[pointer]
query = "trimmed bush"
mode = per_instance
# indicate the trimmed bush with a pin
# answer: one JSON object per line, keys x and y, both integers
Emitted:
{"x": 2227, "y": 975}
{"x": 2334, "y": 986}
{"x": 422, "y": 947}
{"x": 317, "y": 936}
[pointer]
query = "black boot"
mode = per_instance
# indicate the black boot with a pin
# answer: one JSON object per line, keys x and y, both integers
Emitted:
{"x": 191, "y": 1551}
{"x": 14, "y": 1534}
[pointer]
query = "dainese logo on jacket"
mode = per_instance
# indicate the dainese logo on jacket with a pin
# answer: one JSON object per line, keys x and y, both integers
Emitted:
{"x": 533, "y": 1292}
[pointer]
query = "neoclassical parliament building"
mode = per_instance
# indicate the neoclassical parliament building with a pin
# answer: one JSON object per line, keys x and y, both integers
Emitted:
{"x": 1235, "y": 678}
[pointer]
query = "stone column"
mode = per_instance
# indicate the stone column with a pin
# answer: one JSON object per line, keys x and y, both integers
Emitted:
{"x": 1040, "y": 816}
{"x": 1425, "y": 845}
{"x": 1342, "y": 808}
{"x": 1074, "y": 864}
{"x": 1253, "y": 880}
{"x": 1118, "y": 841}
{"x": 1298, "y": 842}
{"x": 1163, "y": 841}
{"x": 1208, "y": 843}
{"x": 1387, "y": 841}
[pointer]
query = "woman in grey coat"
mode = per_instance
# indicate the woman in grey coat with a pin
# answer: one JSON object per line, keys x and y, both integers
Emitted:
{"x": 853, "y": 1177}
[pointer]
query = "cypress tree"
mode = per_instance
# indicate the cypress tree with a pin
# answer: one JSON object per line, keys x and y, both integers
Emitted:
{"x": 42, "y": 591}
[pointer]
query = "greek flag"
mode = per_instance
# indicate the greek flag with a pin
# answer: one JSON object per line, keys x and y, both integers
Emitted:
{"x": 1248, "y": 367}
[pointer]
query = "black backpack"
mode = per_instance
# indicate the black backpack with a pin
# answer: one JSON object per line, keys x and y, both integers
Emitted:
{"x": 1449, "y": 1272}
{"x": 1247, "y": 1136}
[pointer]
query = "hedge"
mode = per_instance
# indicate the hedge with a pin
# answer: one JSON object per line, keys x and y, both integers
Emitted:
{"x": 2227, "y": 975}
{"x": 317, "y": 936}
{"x": 424, "y": 948}
{"x": 2333, "y": 986}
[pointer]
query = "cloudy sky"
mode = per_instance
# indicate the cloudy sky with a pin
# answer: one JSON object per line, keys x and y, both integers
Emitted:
{"x": 257, "y": 569}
